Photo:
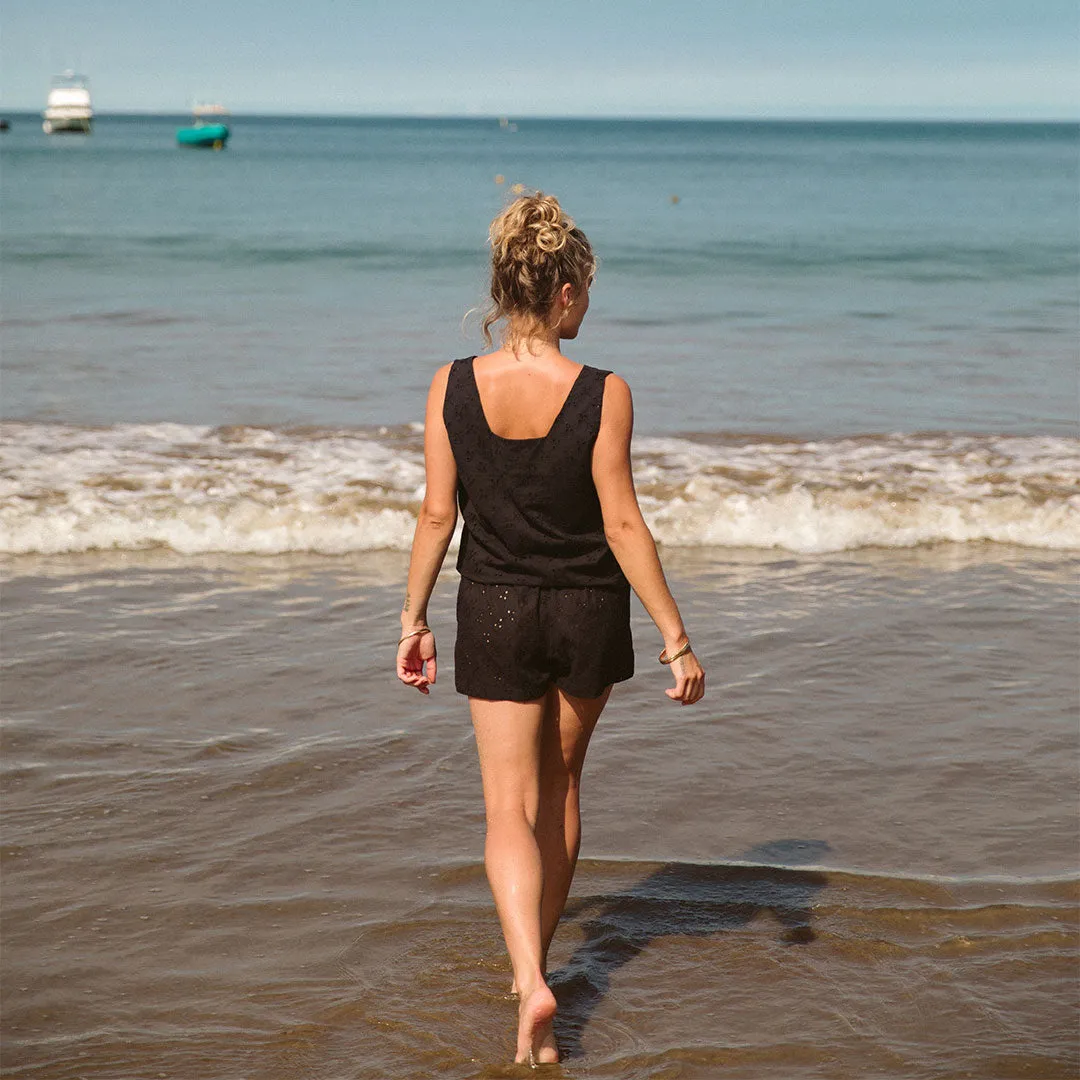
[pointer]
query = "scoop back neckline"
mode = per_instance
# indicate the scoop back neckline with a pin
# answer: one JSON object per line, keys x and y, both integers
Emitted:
{"x": 530, "y": 438}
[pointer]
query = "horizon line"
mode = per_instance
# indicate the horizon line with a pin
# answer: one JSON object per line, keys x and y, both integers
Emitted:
{"x": 623, "y": 117}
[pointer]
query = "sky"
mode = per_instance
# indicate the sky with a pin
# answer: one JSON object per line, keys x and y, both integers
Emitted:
{"x": 932, "y": 59}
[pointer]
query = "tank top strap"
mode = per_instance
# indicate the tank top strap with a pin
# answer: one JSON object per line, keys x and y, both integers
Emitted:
{"x": 581, "y": 413}
{"x": 462, "y": 412}
{"x": 459, "y": 380}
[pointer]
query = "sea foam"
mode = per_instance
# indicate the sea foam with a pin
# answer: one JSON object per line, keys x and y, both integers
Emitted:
{"x": 194, "y": 489}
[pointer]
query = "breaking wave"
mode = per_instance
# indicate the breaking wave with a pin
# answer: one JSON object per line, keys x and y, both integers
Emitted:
{"x": 194, "y": 489}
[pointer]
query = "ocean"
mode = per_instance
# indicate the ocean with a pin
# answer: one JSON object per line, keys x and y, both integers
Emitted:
{"x": 235, "y": 847}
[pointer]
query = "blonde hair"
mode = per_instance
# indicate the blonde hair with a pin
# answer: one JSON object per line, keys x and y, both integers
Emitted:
{"x": 535, "y": 249}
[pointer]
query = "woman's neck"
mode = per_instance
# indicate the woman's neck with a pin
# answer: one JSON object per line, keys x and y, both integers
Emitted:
{"x": 535, "y": 343}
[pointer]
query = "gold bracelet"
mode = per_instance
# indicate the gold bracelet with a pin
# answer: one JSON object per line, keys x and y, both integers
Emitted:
{"x": 665, "y": 659}
{"x": 415, "y": 633}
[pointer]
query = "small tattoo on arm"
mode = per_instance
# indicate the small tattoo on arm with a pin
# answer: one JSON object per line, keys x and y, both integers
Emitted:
{"x": 407, "y": 604}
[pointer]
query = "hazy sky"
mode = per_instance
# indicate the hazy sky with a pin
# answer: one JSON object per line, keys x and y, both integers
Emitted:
{"x": 797, "y": 58}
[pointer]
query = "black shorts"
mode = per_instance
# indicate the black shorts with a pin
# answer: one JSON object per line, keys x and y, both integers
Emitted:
{"x": 516, "y": 641}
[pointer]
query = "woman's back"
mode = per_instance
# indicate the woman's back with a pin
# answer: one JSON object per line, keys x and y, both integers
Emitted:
{"x": 522, "y": 399}
{"x": 523, "y": 452}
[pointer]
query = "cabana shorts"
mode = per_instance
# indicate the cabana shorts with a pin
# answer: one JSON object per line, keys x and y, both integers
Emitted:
{"x": 514, "y": 642}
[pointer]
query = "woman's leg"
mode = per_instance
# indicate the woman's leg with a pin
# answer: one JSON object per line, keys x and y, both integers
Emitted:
{"x": 569, "y": 726}
{"x": 509, "y": 739}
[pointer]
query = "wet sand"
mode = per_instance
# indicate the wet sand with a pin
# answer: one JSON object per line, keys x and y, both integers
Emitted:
{"x": 234, "y": 847}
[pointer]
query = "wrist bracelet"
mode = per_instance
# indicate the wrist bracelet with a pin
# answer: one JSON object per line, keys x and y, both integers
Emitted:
{"x": 415, "y": 633}
{"x": 665, "y": 659}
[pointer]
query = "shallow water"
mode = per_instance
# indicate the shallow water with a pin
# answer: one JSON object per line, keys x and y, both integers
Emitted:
{"x": 234, "y": 847}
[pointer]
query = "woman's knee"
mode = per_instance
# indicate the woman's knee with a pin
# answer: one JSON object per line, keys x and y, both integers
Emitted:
{"x": 511, "y": 811}
{"x": 561, "y": 788}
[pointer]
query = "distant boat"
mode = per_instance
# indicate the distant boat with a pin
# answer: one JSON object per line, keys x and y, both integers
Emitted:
{"x": 207, "y": 128}
{"x": 68, "y": 105}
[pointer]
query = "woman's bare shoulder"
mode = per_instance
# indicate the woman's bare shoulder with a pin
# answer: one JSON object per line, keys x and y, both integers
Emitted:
{"x": 617, "y": 393}
{"x": 442, "y": 374}
{"x": 437, "y": 390}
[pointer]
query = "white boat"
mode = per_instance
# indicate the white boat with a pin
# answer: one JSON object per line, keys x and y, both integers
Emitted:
{"x": 211, "y": 112}
{"x": 68, "y": 106}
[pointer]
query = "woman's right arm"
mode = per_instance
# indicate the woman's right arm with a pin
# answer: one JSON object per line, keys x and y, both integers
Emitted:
{"x": 630, "y": 540}
{"x": 434, "y": 529}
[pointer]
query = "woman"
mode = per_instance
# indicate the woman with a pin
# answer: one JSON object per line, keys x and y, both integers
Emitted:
{"x": 537, "y": 449}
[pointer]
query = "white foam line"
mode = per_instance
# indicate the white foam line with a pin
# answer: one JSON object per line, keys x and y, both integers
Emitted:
{"x": 196, "y": 490}
{"x": 1063, "y": 878}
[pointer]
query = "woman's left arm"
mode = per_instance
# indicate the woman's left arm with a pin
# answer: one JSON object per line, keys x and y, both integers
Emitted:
{"x": 434, "y": 529}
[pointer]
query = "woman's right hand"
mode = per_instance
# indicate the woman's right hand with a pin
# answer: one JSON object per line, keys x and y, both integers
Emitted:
{"x": 416, "y": 661}
{"x": 689, "y": 680}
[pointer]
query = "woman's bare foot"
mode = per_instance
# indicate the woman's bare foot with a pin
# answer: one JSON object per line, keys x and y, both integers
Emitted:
{"x": 535, "y": 1014}
{"x": 548, "y": 1051}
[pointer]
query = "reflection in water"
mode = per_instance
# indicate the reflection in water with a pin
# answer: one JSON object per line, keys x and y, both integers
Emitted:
{"x": 683, "y": 899}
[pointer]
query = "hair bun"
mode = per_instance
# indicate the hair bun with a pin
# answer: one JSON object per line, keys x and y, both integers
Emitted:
{"x": 536, "y": 222}
{"x": 550, "y": 237}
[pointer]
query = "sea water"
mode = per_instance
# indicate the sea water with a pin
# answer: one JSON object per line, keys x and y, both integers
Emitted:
{"x": 230, "y": 341}
{"x": 234, "y": 846}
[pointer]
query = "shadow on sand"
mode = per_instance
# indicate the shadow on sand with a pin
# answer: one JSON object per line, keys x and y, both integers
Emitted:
{"x": 684, "y": 899}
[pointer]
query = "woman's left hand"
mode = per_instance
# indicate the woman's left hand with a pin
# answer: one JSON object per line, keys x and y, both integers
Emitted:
{"x": 416, "y": 661}
{"x": 689, "y": 680}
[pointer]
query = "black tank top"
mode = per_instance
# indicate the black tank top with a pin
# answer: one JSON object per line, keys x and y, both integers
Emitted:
{"x": 530, "y": 509}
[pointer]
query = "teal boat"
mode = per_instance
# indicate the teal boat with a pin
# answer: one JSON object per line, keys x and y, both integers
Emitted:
{"x": 206, "y": 128}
